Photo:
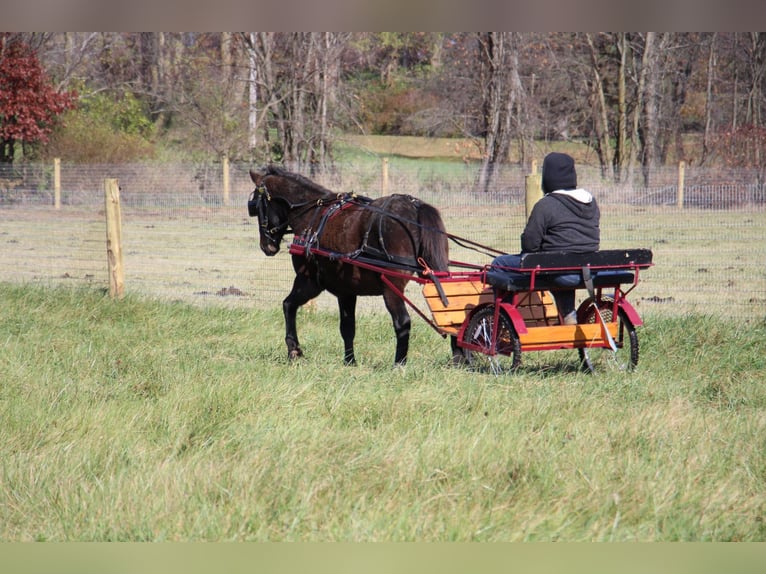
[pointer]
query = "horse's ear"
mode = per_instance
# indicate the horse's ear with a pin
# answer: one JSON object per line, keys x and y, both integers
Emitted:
{"x": 256, "y": 177}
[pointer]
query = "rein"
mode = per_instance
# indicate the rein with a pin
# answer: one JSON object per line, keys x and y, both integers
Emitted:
{"x": 461, "y": 241}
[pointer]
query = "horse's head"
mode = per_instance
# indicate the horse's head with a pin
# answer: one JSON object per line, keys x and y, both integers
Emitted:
{"x": 271, "y": 212}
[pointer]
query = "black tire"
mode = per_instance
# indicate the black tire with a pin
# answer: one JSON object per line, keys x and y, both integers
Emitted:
{"x": 598, "y": 359}
{"x": 507, "y": 347}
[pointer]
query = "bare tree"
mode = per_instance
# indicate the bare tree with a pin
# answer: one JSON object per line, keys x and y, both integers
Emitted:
{"x": 755, "y": 50}
{"x": 296, "y": 75}
{"x": 252, "y": 95}
{"x": 709, "y": 97}
{"x": 756, "y": 60}
{"x": 68, "y": 56}
{"x": 620, "y": 151}
{"x": 683, "y": 52}
{"x": 600, "y": 112}
{"x": 262, "y": 95}
{"x": 651, "y": 103}
{"x": 633, "y": 96}
{"x": 501, "y": 87}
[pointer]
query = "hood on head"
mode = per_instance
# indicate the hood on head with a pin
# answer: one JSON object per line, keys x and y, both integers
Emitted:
{"x": 558, "y": 172}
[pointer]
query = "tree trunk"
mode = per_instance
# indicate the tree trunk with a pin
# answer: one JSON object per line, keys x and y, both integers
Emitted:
{"x": 262, "y": 86}
{"x": 709, "y": 101}
{"x": 620, "y": 152}
{"x": 601, "y": 119}
{"x": 757, "y": 63}
{"x": 652, "y": 105}
{"x": 331, "y": 47}
{"x": 226, "y": 59}
{"x": 498, "y": 54}
{"x": 755, "y": 93}
{"x": 252, "y": 98}
{"x": 7, "y": 150}
{"x": 681, "y": 76}
{"x": 150, "y": 78}
{"x": 636, "y": 144}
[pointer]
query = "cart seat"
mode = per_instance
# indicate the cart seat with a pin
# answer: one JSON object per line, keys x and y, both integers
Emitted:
{"x": 562, "y": 270}
{"x": 513, "y": 281}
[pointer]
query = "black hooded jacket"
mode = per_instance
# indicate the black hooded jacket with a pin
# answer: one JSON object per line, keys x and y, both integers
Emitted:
{"x": 565, "y": 218}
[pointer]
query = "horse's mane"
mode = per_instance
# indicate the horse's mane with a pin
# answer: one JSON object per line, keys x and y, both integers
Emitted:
{"x": 297, "y": 178}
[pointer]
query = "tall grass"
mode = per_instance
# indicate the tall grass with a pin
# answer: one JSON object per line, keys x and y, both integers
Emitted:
{"x": 147, "y": 420}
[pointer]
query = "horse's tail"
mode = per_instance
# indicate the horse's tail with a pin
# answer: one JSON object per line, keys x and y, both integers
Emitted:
{"x": 434, "y": 243}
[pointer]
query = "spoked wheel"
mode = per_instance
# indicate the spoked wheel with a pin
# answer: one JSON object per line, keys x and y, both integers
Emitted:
{"x": 508, "y": 347}
{"x": 625, "y": 358}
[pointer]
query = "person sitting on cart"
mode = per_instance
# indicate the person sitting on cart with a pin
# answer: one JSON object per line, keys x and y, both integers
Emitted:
{"x": 566, "y": 218}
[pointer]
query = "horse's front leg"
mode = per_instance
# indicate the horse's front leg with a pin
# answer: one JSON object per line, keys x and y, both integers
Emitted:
{"x": 304, "y": 289}
{"x": 347, "y": 308}
{"x": 401, "y": 318}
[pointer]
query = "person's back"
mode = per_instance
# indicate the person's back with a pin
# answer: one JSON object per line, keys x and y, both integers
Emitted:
{"x": 566, "y": 218}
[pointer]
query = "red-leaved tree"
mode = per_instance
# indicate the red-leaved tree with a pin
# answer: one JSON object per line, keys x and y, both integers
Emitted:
{"x": 28, "y": 102}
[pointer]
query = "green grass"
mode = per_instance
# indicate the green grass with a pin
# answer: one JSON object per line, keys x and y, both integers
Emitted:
{"x": 146, "y": 420}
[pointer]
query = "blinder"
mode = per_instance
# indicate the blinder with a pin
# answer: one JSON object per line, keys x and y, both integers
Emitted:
{"x": 253, "y": 205}
{"x": 257, "y": 206}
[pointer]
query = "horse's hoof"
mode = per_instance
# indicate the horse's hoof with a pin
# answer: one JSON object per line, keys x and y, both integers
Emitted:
{"x": 294, "y": 354}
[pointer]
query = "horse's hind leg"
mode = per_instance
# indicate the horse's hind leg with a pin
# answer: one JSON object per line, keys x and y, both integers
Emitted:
{"x": 401, "y": 318}
{"x": 304, "y": 289}
{"x": 458, "y": 356}
{"x": 347, "y": 307}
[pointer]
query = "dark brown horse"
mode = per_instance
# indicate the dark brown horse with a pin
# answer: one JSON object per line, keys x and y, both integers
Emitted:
{"x": 394, "y": 231}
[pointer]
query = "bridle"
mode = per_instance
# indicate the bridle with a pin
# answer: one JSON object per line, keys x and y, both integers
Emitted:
{"x": 258, "y": 205}
{"x": 261, "y": 198}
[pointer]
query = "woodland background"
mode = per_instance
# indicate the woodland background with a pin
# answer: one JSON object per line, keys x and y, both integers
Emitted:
{"x": 636, "y": 100}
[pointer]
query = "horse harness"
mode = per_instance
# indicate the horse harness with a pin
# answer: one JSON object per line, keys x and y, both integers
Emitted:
{"x": 326, "y": 209}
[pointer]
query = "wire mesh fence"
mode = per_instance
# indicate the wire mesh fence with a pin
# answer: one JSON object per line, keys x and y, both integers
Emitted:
{"x": 187, "y": 236}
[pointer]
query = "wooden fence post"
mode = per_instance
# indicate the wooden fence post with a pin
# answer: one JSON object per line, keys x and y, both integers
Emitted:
{"x": 57, "y": 183}
{"x": 226, "y": 180}
{"x": 114, "y": 238}
{"x": 384, "y": 188}
{"x": 680, "y": 191}
{"x": 534, "y": 190}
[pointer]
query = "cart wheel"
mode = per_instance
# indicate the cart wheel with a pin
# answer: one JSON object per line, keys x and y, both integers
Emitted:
{"x": 604, "y": 359}
{"x": 508, "y": 347}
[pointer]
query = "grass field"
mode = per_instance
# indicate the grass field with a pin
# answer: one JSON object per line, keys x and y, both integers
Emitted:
{"x": 144, "y": 419}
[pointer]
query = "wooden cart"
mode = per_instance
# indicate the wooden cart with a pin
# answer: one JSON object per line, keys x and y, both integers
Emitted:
{"x": 499, "y": 313}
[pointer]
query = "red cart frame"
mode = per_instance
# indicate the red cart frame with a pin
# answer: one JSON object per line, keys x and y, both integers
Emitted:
{"x": 497, "y": 314}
